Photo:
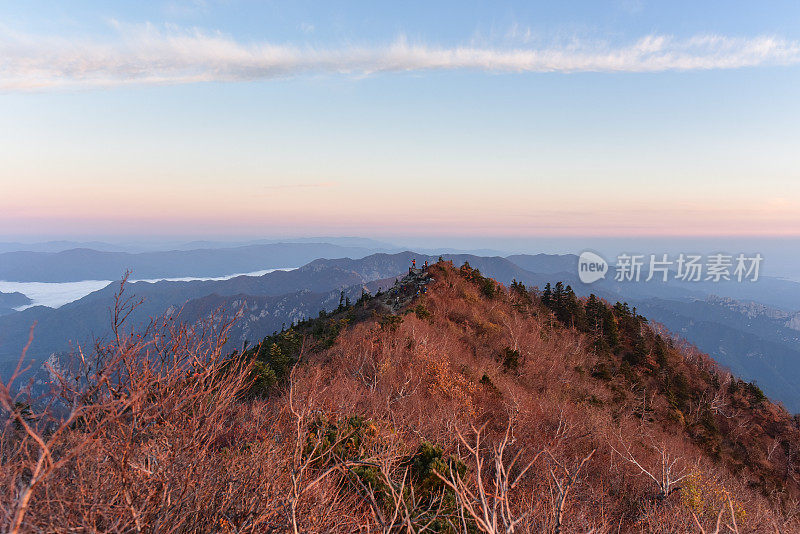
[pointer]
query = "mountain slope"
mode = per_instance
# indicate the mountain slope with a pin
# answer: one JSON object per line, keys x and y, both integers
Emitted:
{"x": 9, "y": 301}
{"x": 444, "y": 401}
{"x": 756, "y": 348}
{"x": 467, "y": 352}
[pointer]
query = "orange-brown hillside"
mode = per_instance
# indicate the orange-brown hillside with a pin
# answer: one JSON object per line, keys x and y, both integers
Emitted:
{"x": 449, "y": 404}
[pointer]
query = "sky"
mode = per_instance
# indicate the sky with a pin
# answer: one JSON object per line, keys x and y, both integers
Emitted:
{"x": 466, "y": 119}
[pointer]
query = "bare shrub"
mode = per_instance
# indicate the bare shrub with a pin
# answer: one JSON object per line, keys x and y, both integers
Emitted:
{"x": 143, "y": 435}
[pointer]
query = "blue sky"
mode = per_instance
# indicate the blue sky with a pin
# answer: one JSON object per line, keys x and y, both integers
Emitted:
{"x": 376, "y": 118}
{"x": 444, "y": 22}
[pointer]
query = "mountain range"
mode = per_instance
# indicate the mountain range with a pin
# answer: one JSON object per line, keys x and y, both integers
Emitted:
{"x": 446, "y": 403}
{"x": 87, "y": 264}
{"x": 759, "y": 342}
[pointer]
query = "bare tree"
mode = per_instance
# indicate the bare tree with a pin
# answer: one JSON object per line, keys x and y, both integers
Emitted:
{"x": 41, "y": 446}
{"x": 130, "y": 441}
{"x": 490, "y": 510}
{"x": 313, "y": 456}
{"x": 564, "y": 482}
{"x": 730, "y": 527}
{"x": 667, "y": 474}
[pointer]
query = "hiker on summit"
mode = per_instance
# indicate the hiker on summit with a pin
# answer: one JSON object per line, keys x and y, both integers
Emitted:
{"x": 414, "y": 263}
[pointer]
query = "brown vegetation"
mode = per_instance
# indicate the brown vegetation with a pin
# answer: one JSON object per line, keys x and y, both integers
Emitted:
{"x": 477, "y": 409}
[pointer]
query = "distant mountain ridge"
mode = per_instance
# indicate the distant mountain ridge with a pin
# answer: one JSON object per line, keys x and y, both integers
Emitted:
{"x": 57, "y": 246}
{"x": 88, "y": 318}
{"x": 9, "y": 301}
{"x": 87, "y": 264}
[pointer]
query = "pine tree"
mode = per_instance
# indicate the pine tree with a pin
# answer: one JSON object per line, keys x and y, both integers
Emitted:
{"x": 547, "y": 295}
{"x": 594, "y": 318}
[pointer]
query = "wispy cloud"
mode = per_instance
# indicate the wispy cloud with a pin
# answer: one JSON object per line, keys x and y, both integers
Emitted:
{"x": 169, "y": 55}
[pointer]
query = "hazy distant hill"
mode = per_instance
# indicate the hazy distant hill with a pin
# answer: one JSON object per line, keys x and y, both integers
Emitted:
{"x": 9, "y": 301}
{"x": 151, "y": 245}
{"x": 87, "y": 264}
{"x": 57, "y": 246}
{"x": 352, "y": 242}
{"x": 546, "y": 263}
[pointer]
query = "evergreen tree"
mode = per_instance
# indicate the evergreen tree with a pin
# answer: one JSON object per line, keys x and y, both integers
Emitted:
{"x": 547, "y": 295}
{"x": 558, "y": 296}
{"x": 594, "y": 318}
